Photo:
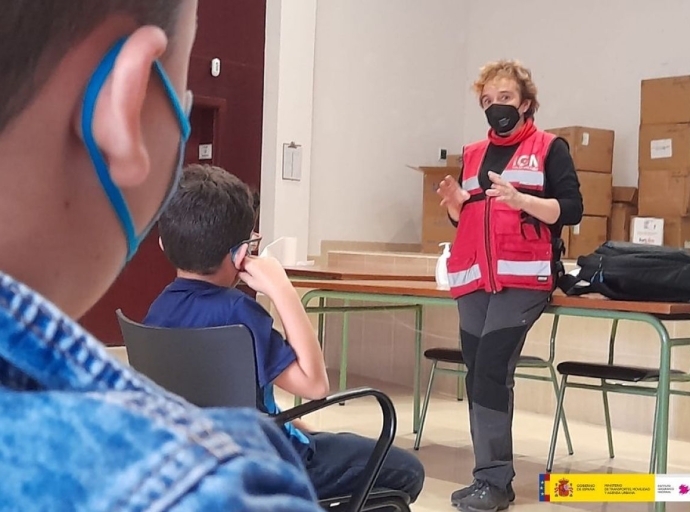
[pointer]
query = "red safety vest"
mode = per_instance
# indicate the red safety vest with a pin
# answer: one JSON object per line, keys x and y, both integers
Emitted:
{"x": 496, "y": 246}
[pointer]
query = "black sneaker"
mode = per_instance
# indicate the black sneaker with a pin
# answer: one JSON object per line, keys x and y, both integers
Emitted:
{"x": 484, "y": 498}
{"x": 466, "y": 491}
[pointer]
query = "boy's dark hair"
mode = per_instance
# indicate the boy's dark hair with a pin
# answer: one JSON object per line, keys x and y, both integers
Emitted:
{"x": 211, "y": 212}
{"x": 257, "y": 204}
{"x": 36, "y": 34}
{"x": 256, "y": 200}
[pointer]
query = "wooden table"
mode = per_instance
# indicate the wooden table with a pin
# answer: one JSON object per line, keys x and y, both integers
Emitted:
{"x": 424, "y": 289}
{"x": 354, "y": 273}
{"x": 418, "y": 294}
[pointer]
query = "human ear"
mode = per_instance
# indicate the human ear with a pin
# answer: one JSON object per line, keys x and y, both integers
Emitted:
{"x": 117, "y": 117}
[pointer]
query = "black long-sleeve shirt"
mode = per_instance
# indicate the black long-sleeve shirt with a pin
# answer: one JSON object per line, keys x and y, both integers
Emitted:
{"x": 560, "y": 179}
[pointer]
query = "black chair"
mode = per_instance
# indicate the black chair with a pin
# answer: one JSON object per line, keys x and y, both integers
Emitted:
{"x": 216, "y": 367}
{"x": 612, "y": 378}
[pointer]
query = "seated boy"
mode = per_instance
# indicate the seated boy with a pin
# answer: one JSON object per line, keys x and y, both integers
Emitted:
{"x": 206, "y": 232}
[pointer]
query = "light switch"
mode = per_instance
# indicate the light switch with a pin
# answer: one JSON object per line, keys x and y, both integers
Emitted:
{"x": 205, "y": 151}
{"x": 215, "y": 68}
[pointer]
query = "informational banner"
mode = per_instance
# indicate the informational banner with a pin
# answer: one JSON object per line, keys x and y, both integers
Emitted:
{"x": 602, "y": 488}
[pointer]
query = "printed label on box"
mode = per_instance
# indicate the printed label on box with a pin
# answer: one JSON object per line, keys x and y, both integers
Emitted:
{"x": 647, "y": 231}
{"x": 585, "y": 139}
{"x": 661, "y": 148}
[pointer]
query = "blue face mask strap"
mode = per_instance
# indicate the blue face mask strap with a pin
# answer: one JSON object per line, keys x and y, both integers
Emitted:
{"x": 93, "y": 90}
{"x": 116, "y": 198}
{"x": 180, "y": 114}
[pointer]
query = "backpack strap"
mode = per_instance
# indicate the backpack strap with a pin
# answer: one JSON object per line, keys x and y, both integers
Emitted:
{"x": 569, "y": 285}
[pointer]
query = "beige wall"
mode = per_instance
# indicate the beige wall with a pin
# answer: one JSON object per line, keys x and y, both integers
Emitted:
{"x": 391, "y": 85}
{"x": 387, "y": 93}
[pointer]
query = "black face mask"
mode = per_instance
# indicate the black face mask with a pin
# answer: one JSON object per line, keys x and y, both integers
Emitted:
{"x": 502, "y": 118}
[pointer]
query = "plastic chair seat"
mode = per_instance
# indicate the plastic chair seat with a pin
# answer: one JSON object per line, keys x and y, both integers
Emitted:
{"x": 454, "y": 356}
{"x": 611, "y": 371}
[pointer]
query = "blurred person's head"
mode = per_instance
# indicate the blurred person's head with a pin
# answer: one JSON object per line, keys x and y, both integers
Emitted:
{"x": 92, "y": 117}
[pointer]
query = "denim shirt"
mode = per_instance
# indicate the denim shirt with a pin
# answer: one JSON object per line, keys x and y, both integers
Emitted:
{"x": 81, "y": 431}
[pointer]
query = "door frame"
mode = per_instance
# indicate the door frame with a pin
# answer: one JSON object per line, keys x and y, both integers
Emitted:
{"x": 219, "y": 105}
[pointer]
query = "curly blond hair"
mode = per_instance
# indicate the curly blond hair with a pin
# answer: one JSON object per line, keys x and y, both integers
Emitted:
{"x": 514, "y": 70}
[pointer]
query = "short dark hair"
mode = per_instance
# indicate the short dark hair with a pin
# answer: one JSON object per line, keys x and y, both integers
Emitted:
{"x": 256, "y": 198}
{"x": 257, "y": 205}
{"x": 211, "y": 212}
{"x": 36, "y": 35}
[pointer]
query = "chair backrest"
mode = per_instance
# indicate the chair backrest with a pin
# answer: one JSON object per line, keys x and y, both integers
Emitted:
{"x": 213, "y": 367}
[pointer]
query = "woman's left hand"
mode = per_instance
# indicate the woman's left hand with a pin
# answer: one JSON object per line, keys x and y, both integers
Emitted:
{"x": 505, "y": 192}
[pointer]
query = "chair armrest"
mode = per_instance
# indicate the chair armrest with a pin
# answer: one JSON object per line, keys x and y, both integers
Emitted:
{"x": 383, "y": 444}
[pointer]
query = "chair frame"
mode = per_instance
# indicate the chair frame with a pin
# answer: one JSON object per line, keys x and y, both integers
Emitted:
{"x": 364, "y": 498}
{"x": 606, "y": 387}
{"x": 360, "y": 499}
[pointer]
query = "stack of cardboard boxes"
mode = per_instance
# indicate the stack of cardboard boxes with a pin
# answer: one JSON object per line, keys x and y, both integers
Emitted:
{"x": 664, "y": 158}
{"x": 592, "y": 152}
{"x": 623, "y": 210}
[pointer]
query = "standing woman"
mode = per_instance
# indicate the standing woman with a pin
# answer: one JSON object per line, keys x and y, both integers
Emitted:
{"x": 519, "y": 187}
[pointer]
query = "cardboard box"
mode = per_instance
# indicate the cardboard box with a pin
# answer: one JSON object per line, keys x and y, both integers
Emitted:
{"x": 587, "y": 236}
{"x": 665, "y": 100}
{"x": 664, "y": 146}
{"x": 435, "y": 236}
{"x": 597, "y": 190}
{"x": 677, "y": 232}
{"x": 627, "y": 195}
{"x": 619, "y": 223}
{"x": 454, "y": 161}
{"x": 436, "y": 227}
{"x": 591, "y": 148}
{"x": 664, "y": 193}
{"x": 647, "y": 231}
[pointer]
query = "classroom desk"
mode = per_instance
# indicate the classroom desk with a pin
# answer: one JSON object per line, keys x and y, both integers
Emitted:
{"x": 354, "y": 273}
{"x": 417, "y": 294}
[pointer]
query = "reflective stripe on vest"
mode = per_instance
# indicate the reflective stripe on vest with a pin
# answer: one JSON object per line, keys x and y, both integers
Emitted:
{"x": 470, "y": 184}
{"x": 464, "y": 277}
{"x": 526, "y": 178}
{"x": 524, "y": 268}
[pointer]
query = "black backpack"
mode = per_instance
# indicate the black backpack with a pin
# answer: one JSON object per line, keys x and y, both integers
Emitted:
{"x": 633, "y": 272}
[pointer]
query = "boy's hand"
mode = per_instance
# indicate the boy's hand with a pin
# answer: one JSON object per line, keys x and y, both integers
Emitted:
{"x": 264, "y": 275}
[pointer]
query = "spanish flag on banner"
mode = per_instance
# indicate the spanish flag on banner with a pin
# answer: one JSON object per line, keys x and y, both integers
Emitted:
{"x": 598, "y": 488}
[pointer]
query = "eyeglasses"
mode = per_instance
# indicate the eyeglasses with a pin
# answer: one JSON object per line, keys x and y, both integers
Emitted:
{"x": 252, "y": 243}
